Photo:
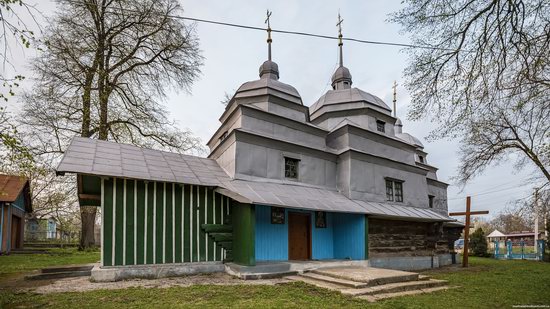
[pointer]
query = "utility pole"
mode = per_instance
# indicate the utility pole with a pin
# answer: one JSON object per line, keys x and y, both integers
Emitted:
{"x": 536, "y": 217}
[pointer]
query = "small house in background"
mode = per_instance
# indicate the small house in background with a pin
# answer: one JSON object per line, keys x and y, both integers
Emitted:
{"x": 496, "y": 235}
{"x": 42, "y": 229}
{"x": 15, "y": 202}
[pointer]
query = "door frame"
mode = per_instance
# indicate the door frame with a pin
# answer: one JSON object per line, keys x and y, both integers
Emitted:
{"x": 309, "y": 232}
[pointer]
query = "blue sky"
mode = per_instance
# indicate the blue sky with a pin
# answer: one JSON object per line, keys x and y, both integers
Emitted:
{"x": 233, "y": 55}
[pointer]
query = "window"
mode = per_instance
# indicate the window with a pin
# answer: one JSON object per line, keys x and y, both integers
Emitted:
{"x": 291, "y": 168}
{"x": 320, "y": 219}
{"x": 431, "y": 201}
{"x": 389, "y": 190}
{"x": 421, "y": 159}
{"x": 394, "y": 190}
{"x": 277, "y": 215}
{"x": 223, "y": 136}
{"x": 380, "y": 126}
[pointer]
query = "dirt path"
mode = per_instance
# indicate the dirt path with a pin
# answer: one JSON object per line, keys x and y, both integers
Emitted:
{"x": 82, "y": 284}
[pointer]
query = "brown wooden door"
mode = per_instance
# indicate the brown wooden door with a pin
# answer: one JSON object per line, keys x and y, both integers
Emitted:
{"x": 299, "y": 236}
{"x": 15, "y": 232}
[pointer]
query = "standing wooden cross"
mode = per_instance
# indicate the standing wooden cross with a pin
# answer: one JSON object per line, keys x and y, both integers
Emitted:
{"x": 467, "y": 213}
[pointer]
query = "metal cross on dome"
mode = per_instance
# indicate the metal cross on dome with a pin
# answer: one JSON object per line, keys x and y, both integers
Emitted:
{"x": 268, "y": 13}
{"x": 339, "y": 24}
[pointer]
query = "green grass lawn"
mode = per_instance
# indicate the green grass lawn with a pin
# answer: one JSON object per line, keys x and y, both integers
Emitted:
{"x": 18, "y": 263}
{"x": 486, "y": 284}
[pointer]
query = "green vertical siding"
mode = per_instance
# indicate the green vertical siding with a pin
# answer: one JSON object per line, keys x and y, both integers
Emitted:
{"x": 107, "y": 229}
{"x": 157, "y": 222}
{"x": 244, "y": 224}
{"x": 140, "y": 237}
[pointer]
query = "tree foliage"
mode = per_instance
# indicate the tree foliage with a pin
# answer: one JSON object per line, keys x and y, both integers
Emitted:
{"x": 485, "y": 77}
{"x": 105, "y": 70}
{"x": 478, "y": 243}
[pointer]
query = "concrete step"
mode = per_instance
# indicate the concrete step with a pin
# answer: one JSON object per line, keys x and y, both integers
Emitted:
{"x": 373, "y": 298}
{"x": 371, "y": 276}
{"x": 59, "y": 275}
{"x": 63, "y": 269}
{"x": 271, "y": 275}
{"x": 318, "y": 283}
{"x": 343, "y": 283}
{"x": 396, "y": 287}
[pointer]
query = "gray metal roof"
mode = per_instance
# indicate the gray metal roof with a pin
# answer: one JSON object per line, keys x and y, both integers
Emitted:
{"x": 103, "y": 158}
{"x": 321, "y": 199}
{"x": 350, "y": 95}
{"x": 292, "y": 196}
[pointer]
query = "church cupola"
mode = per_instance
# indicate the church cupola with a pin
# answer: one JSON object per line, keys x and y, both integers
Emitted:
{"x": 341, "y": 79}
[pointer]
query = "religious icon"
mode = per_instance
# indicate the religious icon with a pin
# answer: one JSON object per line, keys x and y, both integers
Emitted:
{"x": 320, "y": 219}
{"x": 277, "y": 215}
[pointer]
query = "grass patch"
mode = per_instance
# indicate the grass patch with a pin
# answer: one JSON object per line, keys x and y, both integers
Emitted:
{"x": 17, "y": 263}
{"x": 487, "y": 283}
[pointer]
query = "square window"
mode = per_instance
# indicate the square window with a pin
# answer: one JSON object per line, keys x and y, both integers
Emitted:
{"x": 421, "y": 159}
{"x": 320, "y": 219}
{"x": 277, "y": 215}
{"x": 291, "y": 168}
{"x": 380, "y": 126}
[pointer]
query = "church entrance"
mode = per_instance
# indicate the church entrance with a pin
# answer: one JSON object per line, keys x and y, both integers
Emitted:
{"x": 299, "y": 236}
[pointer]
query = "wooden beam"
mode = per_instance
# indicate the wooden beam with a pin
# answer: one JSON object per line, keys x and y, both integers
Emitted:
{"x": 466, "y": 233}
{"x": 94, "y": 197}
{"x": 481, "y": 212}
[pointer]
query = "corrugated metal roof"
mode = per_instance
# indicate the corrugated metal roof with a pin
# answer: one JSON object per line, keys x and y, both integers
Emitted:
{"x": 11, "y": 186}
{"x": 102, "y": 158}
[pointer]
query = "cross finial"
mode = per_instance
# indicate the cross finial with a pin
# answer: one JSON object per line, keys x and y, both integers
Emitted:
{"x": 339, "y": 25}
{"x": 394, "y": 98}
{"x": 340, "y": 43}
{"x": 268, "y": 14}
{"x": 267, "y": 21}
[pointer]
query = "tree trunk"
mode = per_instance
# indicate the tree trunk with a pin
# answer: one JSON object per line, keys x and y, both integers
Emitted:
{"x": 87, "y": 215}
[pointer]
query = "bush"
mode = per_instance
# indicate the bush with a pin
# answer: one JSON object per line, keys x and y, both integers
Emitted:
{"x": 478, "y": 243}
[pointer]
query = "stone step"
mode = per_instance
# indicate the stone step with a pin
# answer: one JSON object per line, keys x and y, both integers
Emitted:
{"x": 373, "y": 298}
{"x": 63, "y": 269}
{"x": 59, "y": 275}
{"x": 396, "y": 287}
{"x": 343, "y": 283}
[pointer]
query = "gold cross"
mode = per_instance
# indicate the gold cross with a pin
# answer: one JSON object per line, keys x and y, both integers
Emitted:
{"x": 268, "y": 13}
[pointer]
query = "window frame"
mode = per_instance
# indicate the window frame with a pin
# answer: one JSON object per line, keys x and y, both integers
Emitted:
{"x": 394, "y": 190}
{"x": 297, "y": 172}
{"x": 380, "y": 126}
{"x": 431, "y": 199}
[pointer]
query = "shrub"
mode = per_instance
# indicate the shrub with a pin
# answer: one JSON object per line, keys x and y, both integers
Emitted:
{"x": 478, "y": 243}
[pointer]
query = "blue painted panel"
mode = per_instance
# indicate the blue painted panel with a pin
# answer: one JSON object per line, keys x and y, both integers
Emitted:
{"x": 20, "y": 202}
{"x": 344, "y": 236}
{"x": 349, "y": 236}
{"x": 322, "y": 245}
{"x": 271, "y": 239}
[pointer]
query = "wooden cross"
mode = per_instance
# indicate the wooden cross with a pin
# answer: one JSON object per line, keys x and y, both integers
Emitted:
{"x": 467, "y": 213}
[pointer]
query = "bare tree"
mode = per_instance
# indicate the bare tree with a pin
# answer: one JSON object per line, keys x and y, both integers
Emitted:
{"x": 485, "y": 77}
{"x": 106, "y": 67}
